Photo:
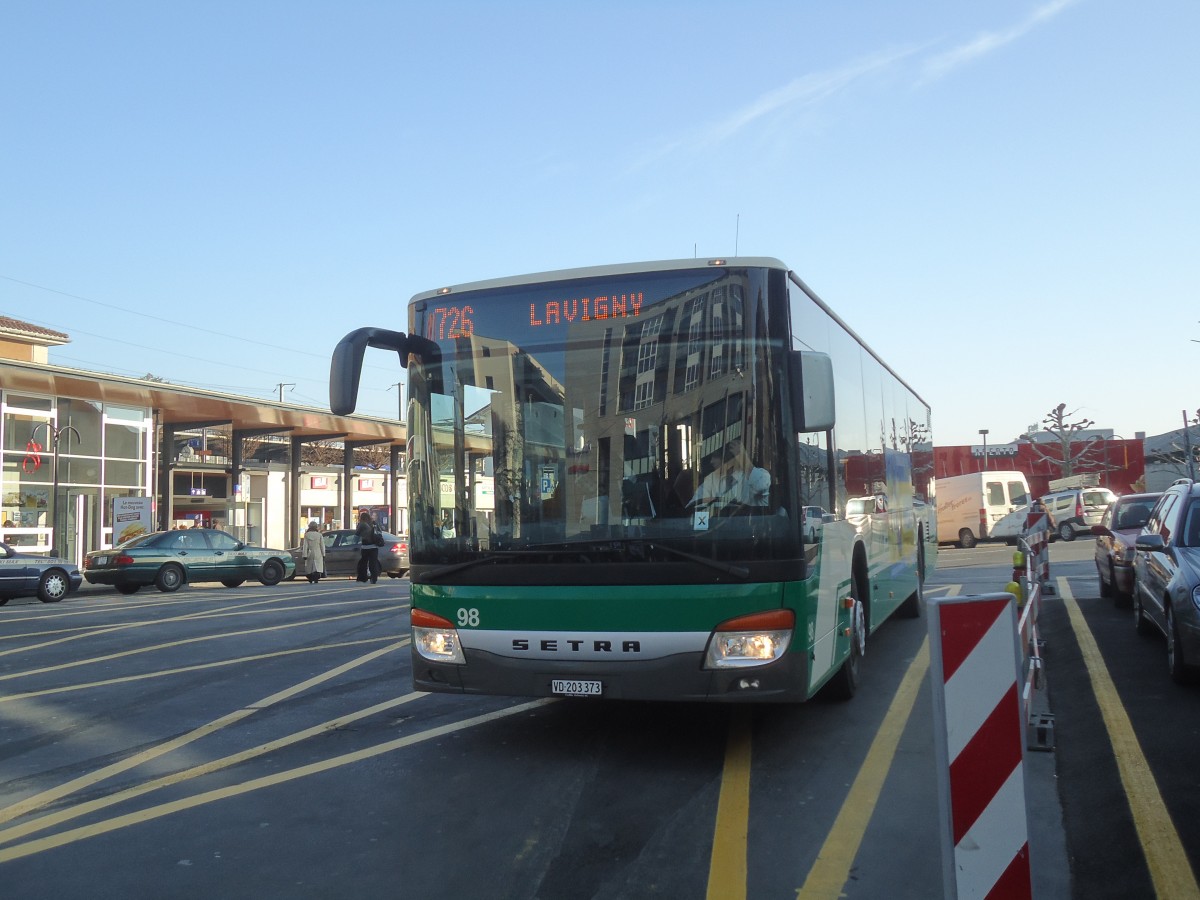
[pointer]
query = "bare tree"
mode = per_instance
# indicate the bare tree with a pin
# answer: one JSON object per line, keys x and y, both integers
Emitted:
{"x": 330, "y": 453}
{"x": 1068, "y": 453}
{"x": 321, "y": 453}
{"x": 375, "y": 456}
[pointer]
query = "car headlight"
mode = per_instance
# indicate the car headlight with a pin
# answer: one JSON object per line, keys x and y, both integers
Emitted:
{"x": 753, "y": 640}
{"x": 1123, "y": 554}
{"x": 436, "y": 638}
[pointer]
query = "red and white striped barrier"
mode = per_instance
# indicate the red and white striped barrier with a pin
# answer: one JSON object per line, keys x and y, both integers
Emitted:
{"x": 979, "y": 742}
{"x": 1036, "y": 538}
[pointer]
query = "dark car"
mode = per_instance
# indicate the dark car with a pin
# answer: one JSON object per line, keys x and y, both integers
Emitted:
{"x": 1166, "y": 577}
{"x": 1120, "y": 526}
{"x": 343, "y": 549}
{"x": 26, "y": 575}
{"x": 170, "y": 559}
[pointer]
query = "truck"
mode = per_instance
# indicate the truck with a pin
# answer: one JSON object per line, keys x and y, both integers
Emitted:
{"x": 969, "y": 505}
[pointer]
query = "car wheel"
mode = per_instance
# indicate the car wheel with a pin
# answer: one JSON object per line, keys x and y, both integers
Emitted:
{"x": 966, "y": 540}
{"x": 53, "y": 586}
{"x": 169, "y": 578}
{"x": 1066, "y": 532}
{"x": 233, "y": 582}
{"x": 3, "y": 600}
{"x": 128, "y": 588}
{"x": 272, "y": 572}
{"x": 1181, "y": 672}
{"x": 1140, "y": 623}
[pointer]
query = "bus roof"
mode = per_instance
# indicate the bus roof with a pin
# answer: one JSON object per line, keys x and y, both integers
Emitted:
{"x": 667, "y": 265}
{"x": 764, "y": 262}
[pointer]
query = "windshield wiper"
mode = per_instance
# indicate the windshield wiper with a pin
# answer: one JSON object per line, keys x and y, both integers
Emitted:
{"x": 728, "y": 568}
{"x": 489, "y": 556}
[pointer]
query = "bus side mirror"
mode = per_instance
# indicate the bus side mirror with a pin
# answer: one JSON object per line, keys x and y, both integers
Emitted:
{"x": 811, "y": 376}
{"x": 345, "y": 369}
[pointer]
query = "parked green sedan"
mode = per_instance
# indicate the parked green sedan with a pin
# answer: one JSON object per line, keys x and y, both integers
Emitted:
{"x": 170, "y": 559}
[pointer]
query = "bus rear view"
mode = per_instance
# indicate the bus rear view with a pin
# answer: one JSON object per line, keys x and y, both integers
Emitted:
{"x": 622, "y": 482}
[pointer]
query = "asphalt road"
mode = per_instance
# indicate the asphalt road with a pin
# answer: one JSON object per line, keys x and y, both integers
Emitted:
{"x": 263, "y": 742}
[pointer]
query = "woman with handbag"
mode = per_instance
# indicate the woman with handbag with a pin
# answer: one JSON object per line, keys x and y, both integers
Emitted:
{"x": 313, "y": 551}
{"x": 370, "y": 539}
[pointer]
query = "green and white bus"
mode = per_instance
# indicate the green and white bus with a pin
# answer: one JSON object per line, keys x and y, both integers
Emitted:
{"x": 684, "y": 480}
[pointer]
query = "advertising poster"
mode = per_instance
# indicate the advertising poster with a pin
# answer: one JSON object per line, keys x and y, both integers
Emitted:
{"x": 132, "y": 516}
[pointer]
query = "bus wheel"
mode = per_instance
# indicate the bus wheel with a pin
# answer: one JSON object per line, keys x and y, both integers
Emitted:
{"x": 911, "y": 607}
{"x": 844, "y": 683}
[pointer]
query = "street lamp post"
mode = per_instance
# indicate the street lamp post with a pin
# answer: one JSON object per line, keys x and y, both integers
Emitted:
{"x": 1187, "y": 444}
{"x": 984, "y": 432}
{"x": 55, "y": 435}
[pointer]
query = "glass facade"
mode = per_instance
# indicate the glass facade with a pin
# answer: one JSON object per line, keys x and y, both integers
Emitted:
{"x": 64, "y": 460}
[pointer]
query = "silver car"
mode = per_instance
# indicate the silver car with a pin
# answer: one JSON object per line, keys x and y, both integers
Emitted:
{"x": 343, "y": 550}
{"x": 1075, "y": 511}
{"x": 1166, "y": 577}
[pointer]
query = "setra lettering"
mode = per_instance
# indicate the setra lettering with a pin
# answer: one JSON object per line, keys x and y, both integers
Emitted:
{"x": 578, "y": 645}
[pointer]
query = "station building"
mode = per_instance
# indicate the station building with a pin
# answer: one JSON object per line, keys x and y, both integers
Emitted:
{"x": 72, "y": 441}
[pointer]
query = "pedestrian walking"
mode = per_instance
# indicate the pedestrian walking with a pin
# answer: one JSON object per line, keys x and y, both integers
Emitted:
{"x": 370, "y": 539}
{"x": 312, "y": 548}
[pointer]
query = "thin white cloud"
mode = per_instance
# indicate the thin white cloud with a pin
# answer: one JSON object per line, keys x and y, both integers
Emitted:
{"x": 817, "y": 87}
{"x": 808, "y": 90}
{"x": 940, "y": 65}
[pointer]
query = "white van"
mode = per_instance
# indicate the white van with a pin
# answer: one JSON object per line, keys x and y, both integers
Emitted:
{"x": 968, "y": 505}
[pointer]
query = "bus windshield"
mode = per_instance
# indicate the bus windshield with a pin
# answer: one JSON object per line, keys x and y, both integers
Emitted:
{"x": 629, "y": 419}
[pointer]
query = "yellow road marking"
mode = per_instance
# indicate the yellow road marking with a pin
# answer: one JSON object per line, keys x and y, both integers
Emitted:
{"x": 146, "y": 623}
{"x": 49, "y": 796}
{"x": 49, "y": 842}
{"x": 1168, "y": 863}
{"x": 251, "y": 607}
{"x": 81, "y": 809}
{"x": 81, "y": 631}
{"x": 727, "y": 867}
{"x": 161, "y": 673}
{"x": 137, "y": 651}
{"x": 829, "y": 874}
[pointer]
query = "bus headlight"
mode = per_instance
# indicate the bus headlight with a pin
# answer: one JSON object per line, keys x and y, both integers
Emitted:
{"x": 753, "y": 640}
{"x": 436, "y": 638}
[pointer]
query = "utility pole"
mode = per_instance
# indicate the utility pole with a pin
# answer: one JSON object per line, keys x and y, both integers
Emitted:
{"x": 281, "y": 386}
{"x": 399, "y": 386}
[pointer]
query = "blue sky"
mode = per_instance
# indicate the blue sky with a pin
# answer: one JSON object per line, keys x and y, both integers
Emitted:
{"x": 1001, "y": 198}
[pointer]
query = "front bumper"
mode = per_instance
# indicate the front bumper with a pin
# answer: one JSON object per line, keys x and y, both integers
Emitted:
{"x": 677, "y": 677}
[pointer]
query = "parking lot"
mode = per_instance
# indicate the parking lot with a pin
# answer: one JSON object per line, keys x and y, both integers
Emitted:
{"x": 264, "y": 742}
